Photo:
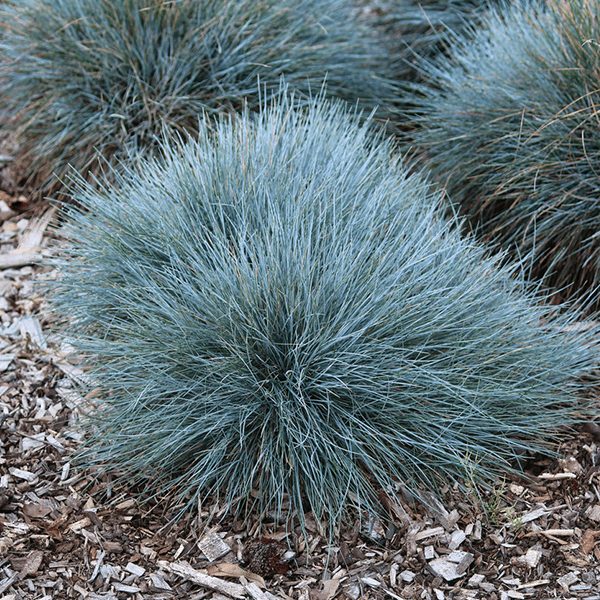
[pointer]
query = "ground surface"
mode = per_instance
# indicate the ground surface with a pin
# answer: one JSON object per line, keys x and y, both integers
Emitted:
{"x": 65, "y": 535}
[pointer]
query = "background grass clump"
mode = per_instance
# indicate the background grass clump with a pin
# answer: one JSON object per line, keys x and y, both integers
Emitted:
{"x": 109, "y": 75}
{"x": 421, "y": 29}
{"x": 279, "y": 306}
{"x": 509, "y": 124}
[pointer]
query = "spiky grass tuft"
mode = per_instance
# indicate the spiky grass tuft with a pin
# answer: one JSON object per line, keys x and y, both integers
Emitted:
{"x": 280, "y": 307}
{"x": 421, "y": 29}
{"x": 510, "y": 126}
{"x": 108, "y": 75}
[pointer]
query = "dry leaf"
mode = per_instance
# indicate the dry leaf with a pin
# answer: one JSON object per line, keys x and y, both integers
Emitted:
{"x": 230, "y": 570}
{"x": 34, "y": 560}
{"x": 79, "y": 525}
{"x": 5, "y": 544}
{"x": 329, "y": 590}
{"x": 36, "y": 511}
{"x": 54, "y": 529}
{"x": 588, "y": 540}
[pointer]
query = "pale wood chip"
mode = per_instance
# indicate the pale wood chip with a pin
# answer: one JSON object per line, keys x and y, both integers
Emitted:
{"x": 6, "y": 583}
{"x": 552, "y": 532}
{"x": 127, "y": 589}
{"x": 427, "y": 533}
{"x": 213, "y": 547}
{"x": 228, "y": 588}
{"x": 452, "y": 566}
{"x": 21, "y": 474}
{"x": 34, "y": 232}
{"x": 557, "y": 476}
{"x": 16, "y": 259}
{"x": 531, "y": 584}
{"x": 85, "y": 522}
{"x": 135, "y": 569}
{"x": 6, "y": 360}
{"x": 255, "y": 592}
{"x": 456, "y": 539}
{"x": 158, "y": 582}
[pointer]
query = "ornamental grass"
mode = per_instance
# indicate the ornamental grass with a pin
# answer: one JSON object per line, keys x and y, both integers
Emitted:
{"x": 90, "y": 78}
{"x": 509, "y": 124}
{"x": 418, "y": 29}
{"x": 278, "y": 316}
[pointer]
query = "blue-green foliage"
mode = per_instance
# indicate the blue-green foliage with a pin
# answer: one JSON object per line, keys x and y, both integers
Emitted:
{"x": 108, "y": 75}
{"x": 421, "y": 28}
{"x": 509, "y": 124}
{"x": 280, "y": 306}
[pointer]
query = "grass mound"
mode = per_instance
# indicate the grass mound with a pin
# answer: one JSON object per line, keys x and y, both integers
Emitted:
{"x": 510, "y": 126}
{"x": 280, "y": 307}
{"x": 417, "y": 29}
{"x": 109, "y": 75}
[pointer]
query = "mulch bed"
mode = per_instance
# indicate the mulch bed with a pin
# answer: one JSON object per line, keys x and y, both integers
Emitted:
{"x": 66, "y": 534}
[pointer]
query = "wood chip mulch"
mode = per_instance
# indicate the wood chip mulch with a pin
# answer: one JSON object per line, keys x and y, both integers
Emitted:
{"x": 66, "y": 535}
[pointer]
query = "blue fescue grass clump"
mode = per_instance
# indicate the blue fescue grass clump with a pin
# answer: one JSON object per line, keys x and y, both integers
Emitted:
{"x": 418, "y": 29}
{"x": 509, "y": 124}
{"x": 280, "y": 307}
{"x": 88, "y": 76}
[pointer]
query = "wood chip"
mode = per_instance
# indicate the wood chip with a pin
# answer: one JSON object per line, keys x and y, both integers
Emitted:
{"x": 407, "y": 576}
{"x": 532, "y": 584}
{"x": 475, "y": 580}
{"x": 16, "y": 259}
{"x": 6, "y": 360}
{"x": 158, "y": 582}
{"x": 135, "y": 569}
{"x": 218, "y": 585}
{"x": 33, "y": 442}
{"x": 112, "y": 547}
{"x": 255, "y": 592}
{"x": 593, "y": 512}
{"x": 29, "y": 327}
{"x": 464, "y": 563}
{"x": 34, "y": 232}
{"x": 569, "y": 579}
{"x": 36, "y": 511}
{"x": 26, "y": 475}
{"x": 534, "y": 514}
{"x": 427, "y": 533}
{"x": 78, "y": 525}
{"x": 213, "y": 547}
{"x": 456, "y": 539}
{"x": 127, "y": 589}
{"x": 32, "y": 564}
{"x": 4, "y": 585}
{"x": 452, "y": 566}
{"x": 557, "y": 476}
{"x": 532, "y": 557}
{"x": 552, "y": 532}
{"x": 588, "y": 540}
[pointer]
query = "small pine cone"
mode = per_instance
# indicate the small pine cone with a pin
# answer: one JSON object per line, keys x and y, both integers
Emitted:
{"x": 265, "y": 557}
